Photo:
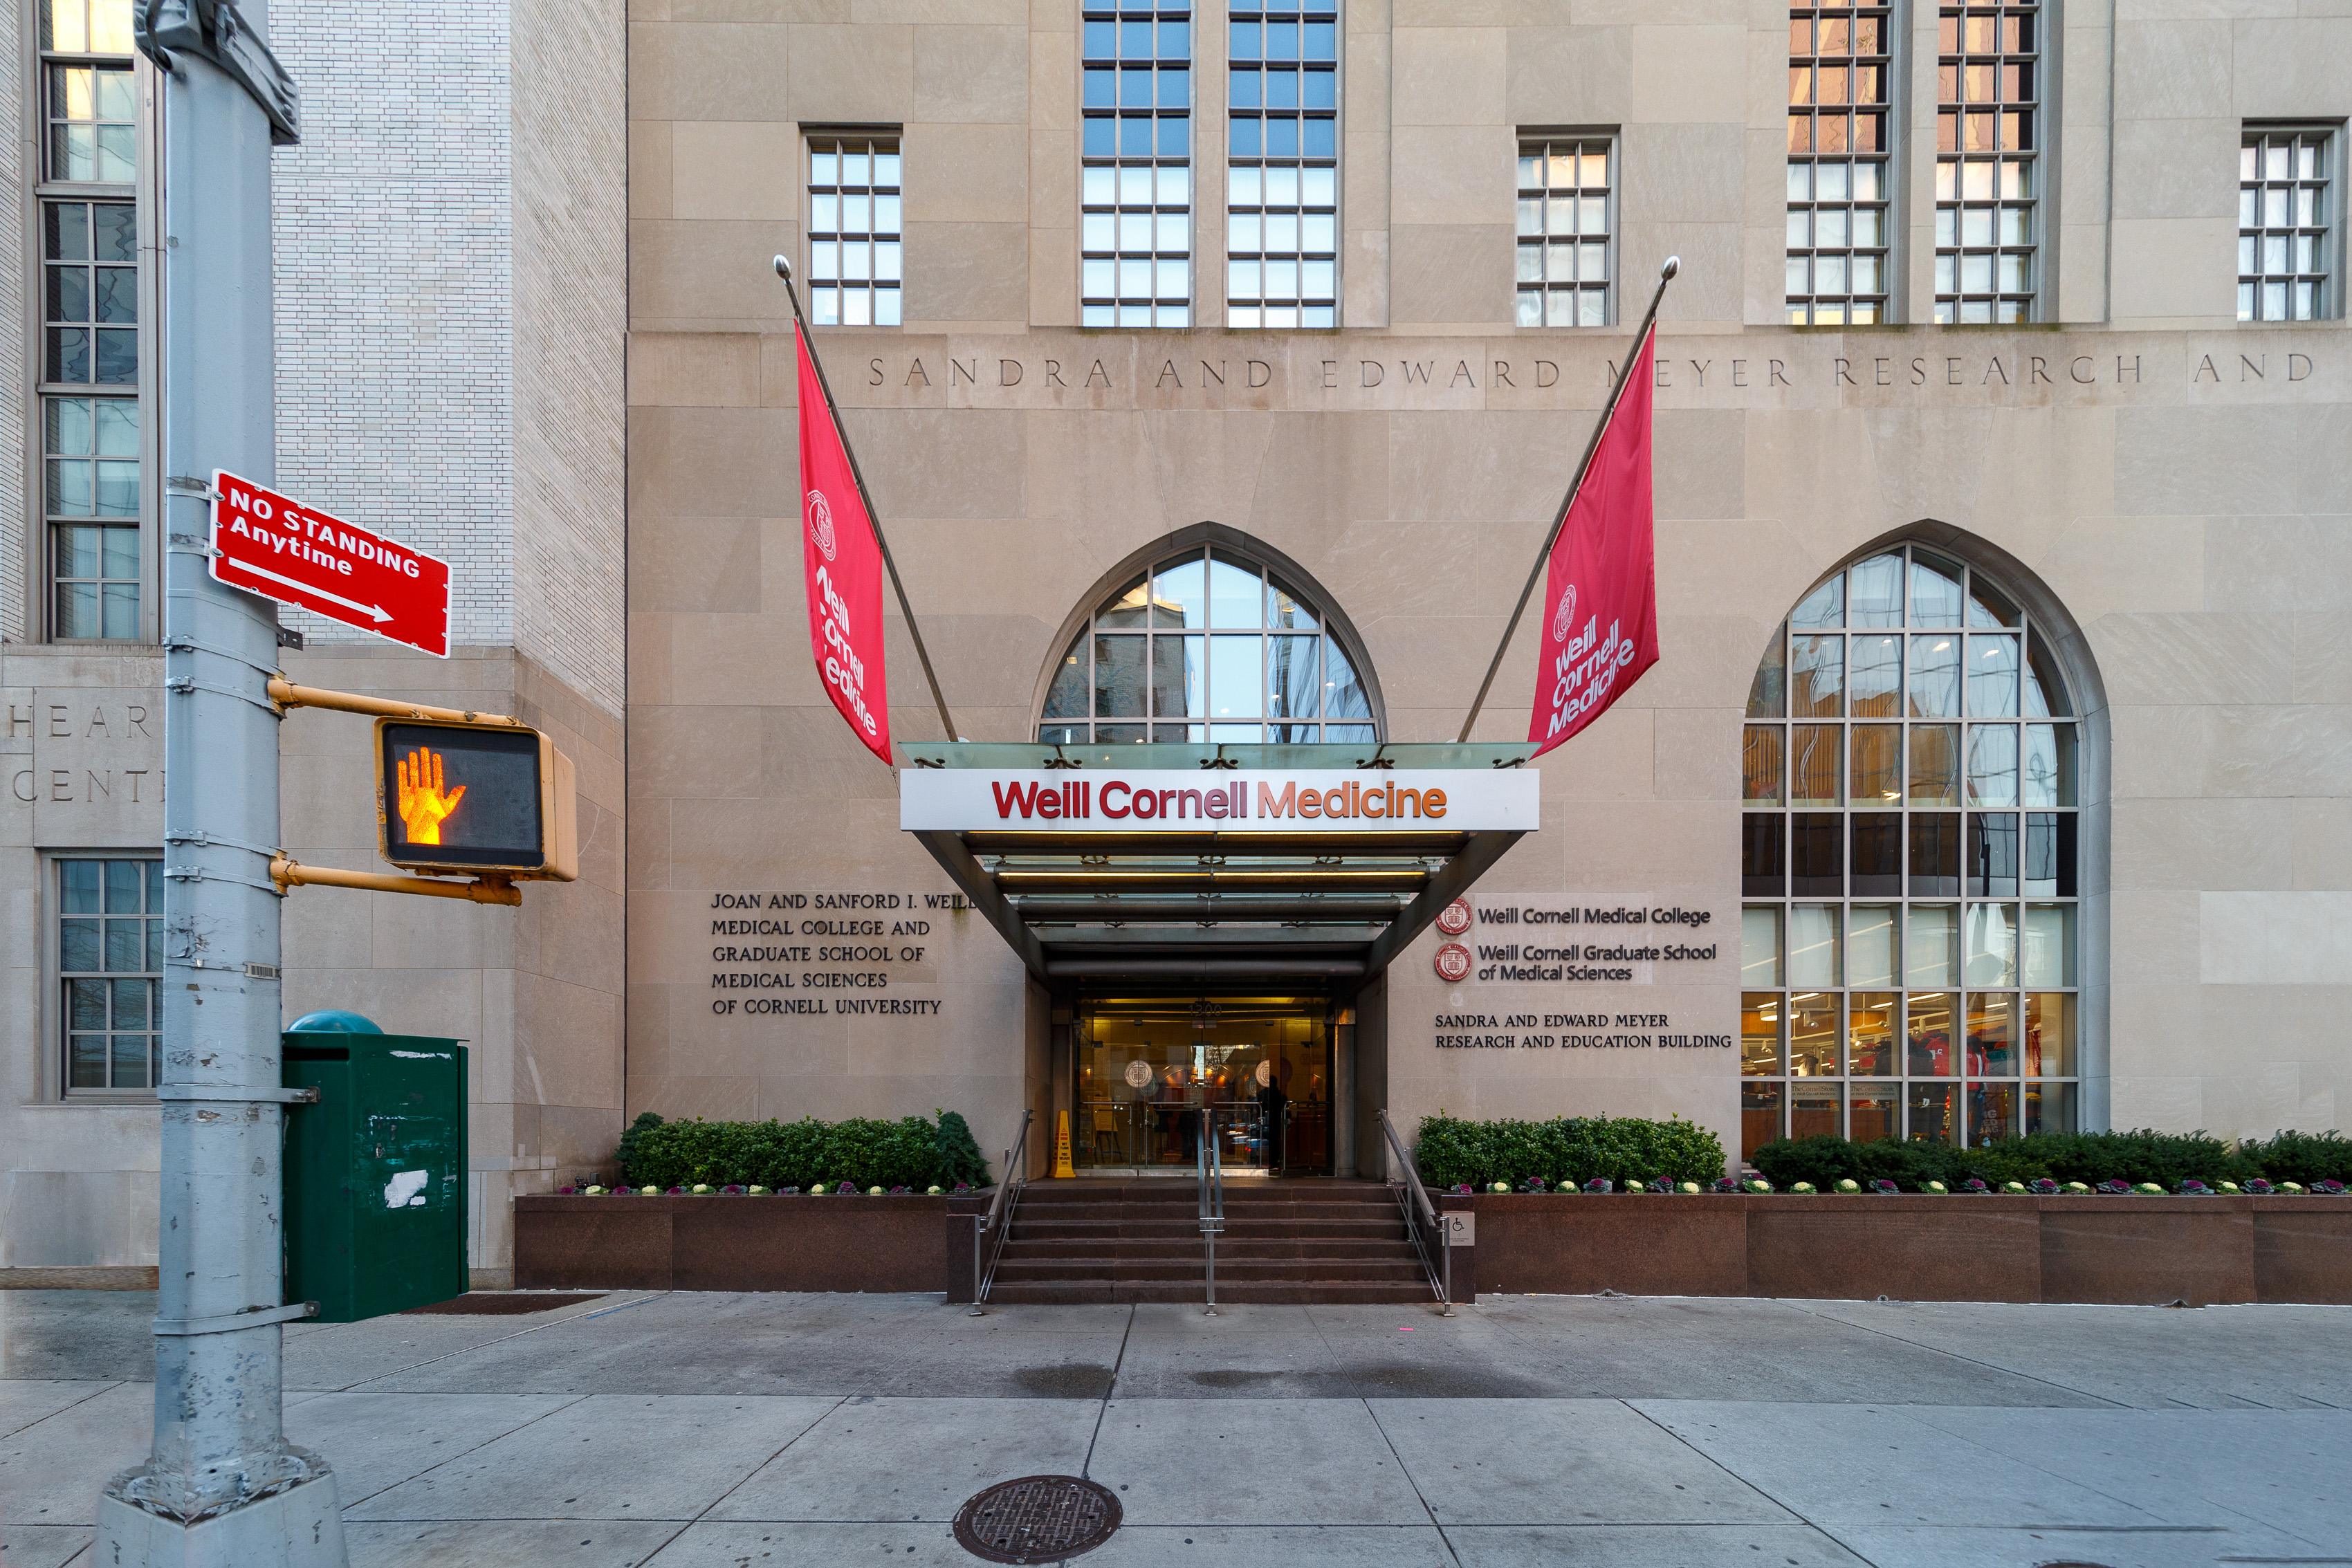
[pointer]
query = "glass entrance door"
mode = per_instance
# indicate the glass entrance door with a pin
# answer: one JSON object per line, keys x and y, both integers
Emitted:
{"x": 1154, "y": 1072}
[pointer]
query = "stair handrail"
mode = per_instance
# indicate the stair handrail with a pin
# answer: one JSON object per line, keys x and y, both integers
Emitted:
{"x": 1413, "y": 1200}
{"x": 1211, "y": 1174}
{"x": 999, "y": 1214}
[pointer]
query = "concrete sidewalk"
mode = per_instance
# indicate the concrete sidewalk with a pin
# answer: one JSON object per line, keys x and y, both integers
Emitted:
{"x": 695, "y": 1431}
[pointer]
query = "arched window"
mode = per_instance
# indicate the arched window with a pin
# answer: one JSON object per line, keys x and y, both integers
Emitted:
{"x": 1910, "y": 860}
{"x": 1206, "y": 643}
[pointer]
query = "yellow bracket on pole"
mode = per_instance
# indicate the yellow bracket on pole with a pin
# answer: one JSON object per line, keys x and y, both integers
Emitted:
{"x": 287, "y": 695}
{"x": 289, "y": 873}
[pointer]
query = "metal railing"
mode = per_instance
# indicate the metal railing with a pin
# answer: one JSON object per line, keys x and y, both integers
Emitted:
{"x": 1413, "y": 1199}
{"x": 1211, "y": 1176}
{"x": 999, "y": 1217}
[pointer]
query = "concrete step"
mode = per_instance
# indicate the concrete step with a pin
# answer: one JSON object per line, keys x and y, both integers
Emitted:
{"x": 1011, "y": 1267}
{"x": 1140, "y": 1241}
{"x": 1241, "y": 1292}
{"x": 1369, "y": 1232}
{"x": 1079, "y": 1256}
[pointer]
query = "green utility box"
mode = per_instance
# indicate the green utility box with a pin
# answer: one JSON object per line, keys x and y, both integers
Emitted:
{"x": 376, "y": 1171}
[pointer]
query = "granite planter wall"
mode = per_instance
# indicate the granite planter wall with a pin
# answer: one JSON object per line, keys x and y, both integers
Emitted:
{"x": 2119, "y": 1250}
{"x": 2122, "y": 1250}
{"x": 795, "y": 1243}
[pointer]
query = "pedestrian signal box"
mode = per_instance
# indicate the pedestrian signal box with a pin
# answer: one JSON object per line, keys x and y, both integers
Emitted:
{"x": 477, "y": 799}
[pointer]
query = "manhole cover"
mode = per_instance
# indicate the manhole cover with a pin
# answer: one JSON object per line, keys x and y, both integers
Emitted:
{"x": 1037, "y": 1518}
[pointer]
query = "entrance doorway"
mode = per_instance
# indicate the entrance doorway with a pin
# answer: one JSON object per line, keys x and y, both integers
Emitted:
{"x": 1153, "y": 1071}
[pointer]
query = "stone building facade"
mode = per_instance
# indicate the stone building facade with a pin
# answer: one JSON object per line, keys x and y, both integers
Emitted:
{"x": 450, "y": 303}
{"x": 2040, "y": 305}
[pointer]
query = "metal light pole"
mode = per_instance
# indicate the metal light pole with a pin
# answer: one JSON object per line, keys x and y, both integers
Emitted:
{"x": 222, "y": 1487}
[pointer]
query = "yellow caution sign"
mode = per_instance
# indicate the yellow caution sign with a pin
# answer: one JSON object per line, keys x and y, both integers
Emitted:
{"x": 1062, "y": 1145}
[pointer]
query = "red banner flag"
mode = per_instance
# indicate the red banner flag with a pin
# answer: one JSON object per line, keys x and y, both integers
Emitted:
{"x": 843, "y": 561}
{"x": 1601, "y": 599}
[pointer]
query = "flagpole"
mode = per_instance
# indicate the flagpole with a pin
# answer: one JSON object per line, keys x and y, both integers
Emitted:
{"x": 1543, "y": 557}
{"x": 873, "y": 517}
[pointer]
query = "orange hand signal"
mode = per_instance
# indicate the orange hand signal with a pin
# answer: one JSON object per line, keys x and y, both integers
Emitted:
{"x": 423, "y": 806}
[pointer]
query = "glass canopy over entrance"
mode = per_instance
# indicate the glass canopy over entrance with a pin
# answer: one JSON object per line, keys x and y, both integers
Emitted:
{"x": 1215, "y": 864}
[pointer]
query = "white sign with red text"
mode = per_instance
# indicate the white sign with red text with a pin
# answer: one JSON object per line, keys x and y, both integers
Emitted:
{"x": 1110, "y": 800}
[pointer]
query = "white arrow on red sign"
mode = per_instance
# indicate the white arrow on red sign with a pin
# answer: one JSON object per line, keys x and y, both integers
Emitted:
{"x": 272, "y": 545}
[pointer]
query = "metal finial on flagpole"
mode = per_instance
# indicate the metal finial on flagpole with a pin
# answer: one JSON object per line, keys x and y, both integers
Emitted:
{"x": 873, "y": 517}
{"x": 1673, "y": 264}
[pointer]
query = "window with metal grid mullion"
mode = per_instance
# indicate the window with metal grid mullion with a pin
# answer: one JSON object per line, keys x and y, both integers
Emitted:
{"x": 2286, "y": 231}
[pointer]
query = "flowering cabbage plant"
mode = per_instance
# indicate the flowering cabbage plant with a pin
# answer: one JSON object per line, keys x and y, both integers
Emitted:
{"x": 932, "y": 1190}
{"x": 1534, "y": 1184}
{"x": 2328, "y": 1186}
{"x": 897, "y": 1191}
{"x": 1724, "y": 1184}
{"x": 565, "y": 1191}
{"x": 1976, "y": 1187}
{"x": 755, "y": 1190}
{"x": 2115, "y": 1188}
{"x": 702, "y": 1189}
{"x": 1885, "y": 1189}
{"x": 2260, "y": 1188}
{"x": 1847, "y": 1184}
{"x": 788, "y": 1192}
{"x": 1498, "y": 1186}
{"x": 2148, "y": 1189}
{"x": 1757, "y": 1185}
{"x": 2013, "y": 1186}
{"x": 1935, "y": 1187}
{"x": 676, "y": 1192}
{"x": 963, "y": 1186}
{"x": 1599, "y": 1184}
{"x": 2046, "y": 1188}
{"x": 731, "y": 1190}
{"x": 1462, "y": 1189}
{"x": 1804, "y": 1190}
{"x": 1661, "y": 1183}
{"x": 2192, "y": 1188}
{"x": 648, "y": 1191}
{"x": 2294, "y": 1188}
{"x": 846, "y": 1190}
{"x": 2076, "y": 1189}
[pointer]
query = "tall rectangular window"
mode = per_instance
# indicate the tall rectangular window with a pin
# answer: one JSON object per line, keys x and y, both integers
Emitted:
{"x": 1135, "y": 236}
{"x": 1989, "y": 129}
{"x": 2286, "y": 225}
{"x": 88, "y": 361}
{"x": 1566, "y": 230}
{"x": 110, "y": 972}
{"x": 1840, "y": 85}
{"x": 857, "y": 236}
{"x": 1282, "y": 263}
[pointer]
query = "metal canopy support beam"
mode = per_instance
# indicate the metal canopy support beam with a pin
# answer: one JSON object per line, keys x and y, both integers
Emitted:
{"x": 1143, "y": 966}
{"x": 1146, "y": 909}
{"x": 981, "y": 888}
{"x": 1460, "y": 872}
{"x": 1352, "y": 940}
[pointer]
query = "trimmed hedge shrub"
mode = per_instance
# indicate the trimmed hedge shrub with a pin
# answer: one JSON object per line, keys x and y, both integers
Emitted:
{"x": 2143, "y": 1156}
{"x": 909, "y": 1152}
{"x": 2304, "y": 1157}
{"x": 1451, "y": 1151}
